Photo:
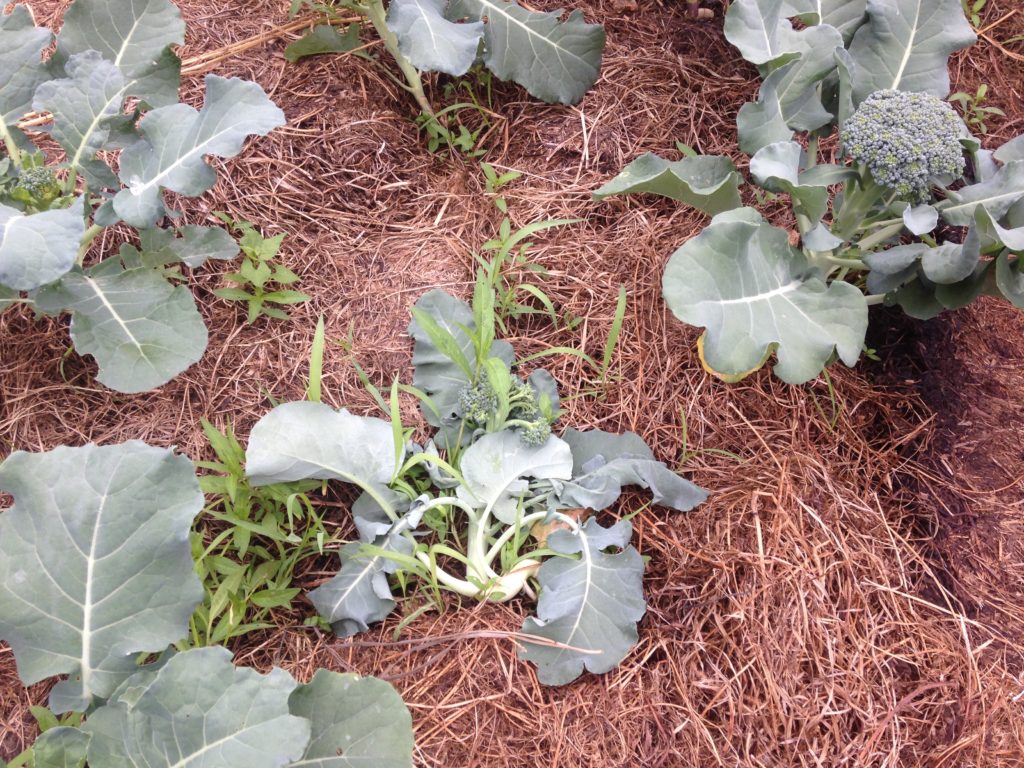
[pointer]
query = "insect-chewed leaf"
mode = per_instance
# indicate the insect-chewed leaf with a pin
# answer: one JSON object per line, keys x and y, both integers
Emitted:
{"x": 21, "y": 63}
{"x": 95, "y": 563}
{"x": 429, "y": 40}
{"x": 709, "y": 183}
{"x": 306, "y": 440}
{"x": 177, "y": 137}
{"x": 142, "y": 330}
{"x": 591, "y": 603}
{"x": 200, "y": 711}
{"x": 496, "y": 466}
{"x": 905, "y": 46}
{"x": 555, "y": 60}
{"x": 38, "y": 248}
{"x": 132, "y": 34}
{"x": 357, "y": 722}
{"x": 83, "y": 105}
{"x": 742, "y": 280}
{"x": 603, "y": 462}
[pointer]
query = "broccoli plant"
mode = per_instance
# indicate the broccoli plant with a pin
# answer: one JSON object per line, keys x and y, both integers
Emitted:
{"x": 556, "y": 60}
{"x": 910, "y": 211}
{"x": 492, "y": 506}
{"x": 96, "y": 575}
{"x": 108, "y": 97}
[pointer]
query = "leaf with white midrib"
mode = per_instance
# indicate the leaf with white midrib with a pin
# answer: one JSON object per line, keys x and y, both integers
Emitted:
{"x": 119, "y": 516}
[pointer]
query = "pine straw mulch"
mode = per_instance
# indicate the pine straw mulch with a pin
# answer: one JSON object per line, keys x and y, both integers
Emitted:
{"x": 850, "y": 595}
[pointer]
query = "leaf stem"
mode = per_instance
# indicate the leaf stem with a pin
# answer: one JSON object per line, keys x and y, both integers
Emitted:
{"x": 378, "y": 17}
{"x": 879, "y": 237}
{"x": 87, "y": 239}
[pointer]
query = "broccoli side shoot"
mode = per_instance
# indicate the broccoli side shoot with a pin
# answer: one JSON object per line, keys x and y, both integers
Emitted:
{"x": 905, "y": 140}
{"x": 479, "y": 405}
{"x": 37, "y": 188}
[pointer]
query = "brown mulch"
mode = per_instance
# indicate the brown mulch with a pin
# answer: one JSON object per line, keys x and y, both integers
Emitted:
{"x": 851, "y": 595}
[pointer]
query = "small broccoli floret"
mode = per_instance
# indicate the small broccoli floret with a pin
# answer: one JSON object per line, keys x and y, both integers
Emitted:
{"x": 39, "y": 185}
{"x": 535, "y": 434}
{"x": 478, "y": 403}
{"x": 905, "y": 140}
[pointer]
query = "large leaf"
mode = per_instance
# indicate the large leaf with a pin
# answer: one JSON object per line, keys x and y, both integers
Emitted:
{"x": 906, "y": 44}
{"x": 590, "y": 603}
{"x": 95, "y": 563}
{"x": 709, "y": 183}
{"x": 357, "y": 722}
{"x": 435, "y": 373}
{"x": 84, "y": 105}
{"x": 199, "y": 711}
{"x": 496, "y": 466}
{"x": 177, "y": 138}
{"x": 789, "y": 98}
{"x": 996, "y": 196}
{"x": 142, "y": 330}
{"x": 359, "y": 594}
{"x": 305, "y": 440}
{"x": 555, "y": 60}
{"x": 134, "y": 35}
{"x": 753, "y": 292}
{"x": 21, "y": 64}
{"x": 430, "y": 41}
{"x": 39, "y": 248}
{"x": 604, "y": 462}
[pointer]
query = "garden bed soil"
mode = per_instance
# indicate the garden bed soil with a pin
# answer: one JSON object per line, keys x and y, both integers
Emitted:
{"x": 851, "y": 594}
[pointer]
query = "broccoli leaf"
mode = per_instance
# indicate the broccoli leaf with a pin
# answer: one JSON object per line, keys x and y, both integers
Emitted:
{"x": 93, "y": 529}
{"x": 754, "y": 292}
{"x": 495, "y": 467}
{"x": 359, "y": 594}
{"x": 60, "y": 747}
{"x": 195, "y": 246}
{"x": 21, "y": 65}
{"x": 134, "y": 35}
{"x": 305, "y": 440}
{"x": 199, "y": 710}
{"x": 844, "y": 15}
{"x": 996, "y": 196}
{"x": 142, "y": 330}
{"x": 177, "y": 137}
{"x": 555, "y": 60}
{"x": 7, "y": 297}
{"x": 905, "y": 46}
{"x": 357, "y": 722}
{"x": 429, "y": 40}
{"x": 709, "y": 183}
{"x": 39, "y": 248}
{"x": 776, "y": 168}
{"x": 1010, "y": 279}
{"x": 83, "y": 105}
{"x": 591, "y": 602}
{"x": 323, "y": 38}
{"x": 761, "y": 31}
{"x": 604, "y": 462}
{"x": 789, "y": 98}
{"x": 1011, "y": 150}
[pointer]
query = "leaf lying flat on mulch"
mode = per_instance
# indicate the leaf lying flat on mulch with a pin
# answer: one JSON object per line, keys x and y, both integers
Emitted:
{"x": 812, "y": 613}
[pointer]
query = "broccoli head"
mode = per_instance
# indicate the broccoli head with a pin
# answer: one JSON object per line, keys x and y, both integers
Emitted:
{"x": 478, "y": 405}
{"x": 905, "y": 140}
{"x": 37, "y": 186}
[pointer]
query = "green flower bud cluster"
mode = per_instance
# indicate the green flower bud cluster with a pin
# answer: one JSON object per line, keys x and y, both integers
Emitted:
{"x": 38, "y": 187}
{"x": 479, "y": 405}
{"x": 906, "y": 140}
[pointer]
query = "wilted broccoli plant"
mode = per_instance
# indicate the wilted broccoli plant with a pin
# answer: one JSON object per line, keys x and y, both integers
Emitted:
{"x": 111, "y": 86}
{"x": 492, "y": 506}
{"x": 910, "y": 212}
